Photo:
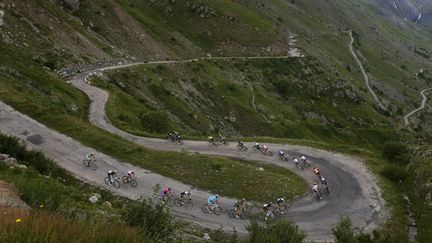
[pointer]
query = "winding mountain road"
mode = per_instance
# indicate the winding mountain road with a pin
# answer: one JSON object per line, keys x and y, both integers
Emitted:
{"x": 365, "y": 76}
{"x": 422, "y": 106}
{"x": 354, "y": 190}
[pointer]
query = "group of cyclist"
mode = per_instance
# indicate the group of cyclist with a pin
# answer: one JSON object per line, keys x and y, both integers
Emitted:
{"x": 112, "y": 174}
{"x": 174, "y": 137}
{"x": 213, "y": 200}
{"x": 222, "y": 140}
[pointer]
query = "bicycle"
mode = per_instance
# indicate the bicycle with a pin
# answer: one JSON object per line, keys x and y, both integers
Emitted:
{"x": 113, "y": 182}
{"x": 90, "y": 164}
{"x": 186, "y": 202}
{"x": 224, "y": 142}
{"x": 242, "y": 147}
{"x": 217, "y": 210}
{"x": 243, "y": 214}
{"x": 166, "y": 200}
{"x": 282, "y": 208}
{"x": 129, "y": 179}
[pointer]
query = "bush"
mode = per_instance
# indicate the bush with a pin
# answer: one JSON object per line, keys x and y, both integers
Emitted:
{"x": 395, "y": 173}
{"x": 275, "y": 232}
{"x": 346, "y": 232}
{"x": 153, "y": 219}
{"x": 396, "y": 152}
{"x": 155, "y": 121}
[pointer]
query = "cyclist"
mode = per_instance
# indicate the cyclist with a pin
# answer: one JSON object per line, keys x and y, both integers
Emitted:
{"x": 295, "y": 160}
{"x": 211, "y": 139}
{"x": 130, "y": 174}
{"x": 90, "y": 157}
{"x": 304, "y": 160}
{"x": 265, "y": 148}
{"x": 256, "y": 145}
{"x": 316, "y": 171}
{"x": 111, "y": 175}
{"x": 213, "y": 201}
{"x": 239, "y": 206}
{"x": 315, "y": 188}
{"x": 267, "y": 210}
{"x": 323, "y": 181}
{"x": 281, "y": 203}
{"x": 171, "y": 137}
{"x": 185, "y": 195}
{"x": 281, "y": 154}
{"x": 240, "y": 144}
{"x": 166, "y": 192}
{"x": 177, "y": 137}
{"x": 221, "y": 138}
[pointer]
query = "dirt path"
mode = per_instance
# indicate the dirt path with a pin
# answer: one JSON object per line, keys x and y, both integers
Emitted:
{"x": 365, "y": 76}
{"x": 422, "y": 106}
{"x": 354, "y": 191}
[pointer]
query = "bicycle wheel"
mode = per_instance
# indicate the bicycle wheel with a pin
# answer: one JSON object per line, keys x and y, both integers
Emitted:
{"x": 107, "y": 181}
{"x": 116, "y": 184}
{"x": 231, "y": 213}
{"x": 93, "y": 166}
{"x": 217, "y": 210}
{"x": 269, "y": 153}
{"x": 178, "y": 202}
{"x": 85, "y": 162}
{"x": 226, "y": 143}
{"x": 205, "y": 208}
{"x": 276, "y": 211}
{"x": 133, "y": 183}
{"x": 188, "y": 204}
{"x": 125, "y": 179}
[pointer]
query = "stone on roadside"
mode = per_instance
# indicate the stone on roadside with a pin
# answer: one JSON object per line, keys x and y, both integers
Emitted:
{"x": 93, "y": 199}
{"x": 206, "y": 236}
{"x": 260, "y": 169}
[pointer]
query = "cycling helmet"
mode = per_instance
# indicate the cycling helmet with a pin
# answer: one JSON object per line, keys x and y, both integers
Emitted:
{"x": 315, "y": 184}
{"x": 217, "y": 195}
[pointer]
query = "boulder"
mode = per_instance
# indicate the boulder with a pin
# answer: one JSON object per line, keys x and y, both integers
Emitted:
{"x": 206, "y": 236}
{"x": 93, "y": 199}
{"x": 11, "y": 162}
{"x": 72, "y": 5}
{"x": 1, "y": 18}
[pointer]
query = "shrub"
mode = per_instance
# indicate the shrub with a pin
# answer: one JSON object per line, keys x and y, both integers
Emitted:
{"x": 274, "y": 232}
{"x": 346, "y": 232}
{"x": 396, "y": 152}
{"x": 155, "y": 121}
{"x": 395, "y": 173}
{"x": 153, "y": 219}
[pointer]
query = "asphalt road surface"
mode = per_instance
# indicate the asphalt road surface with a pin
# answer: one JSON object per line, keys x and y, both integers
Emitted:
{"x": 354, "y": 192}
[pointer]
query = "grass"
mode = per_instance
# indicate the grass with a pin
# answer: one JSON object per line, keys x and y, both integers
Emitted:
{"x": 198, "y": 98}
{"x": 43, "y": 226}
